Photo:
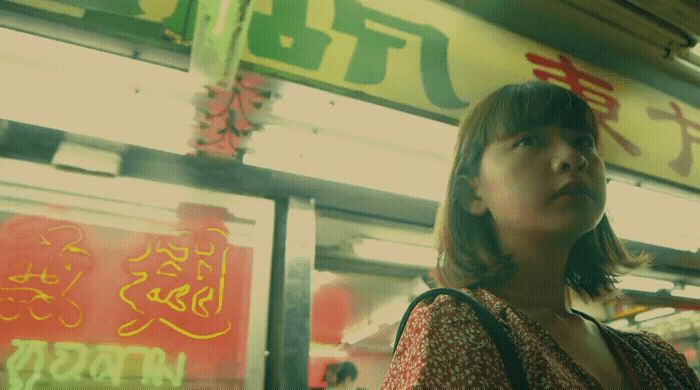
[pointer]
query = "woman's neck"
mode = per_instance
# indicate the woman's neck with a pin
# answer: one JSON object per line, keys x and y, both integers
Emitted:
{"x": 532, "y": 294}
{"x": 538, "y": 284}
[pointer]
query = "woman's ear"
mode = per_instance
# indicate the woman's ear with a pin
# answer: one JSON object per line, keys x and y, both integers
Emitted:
{"x": 469, "y": 194}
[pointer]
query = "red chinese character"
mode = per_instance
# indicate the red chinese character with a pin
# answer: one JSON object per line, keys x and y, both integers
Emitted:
{"x": 605, "y": 107}
{"x": 684, "y": 161}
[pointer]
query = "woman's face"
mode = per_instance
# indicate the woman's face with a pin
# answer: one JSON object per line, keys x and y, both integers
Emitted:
{"x": 520, "y": 177}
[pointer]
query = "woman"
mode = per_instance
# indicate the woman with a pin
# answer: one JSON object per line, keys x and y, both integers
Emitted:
{"x": 523, "y": 219}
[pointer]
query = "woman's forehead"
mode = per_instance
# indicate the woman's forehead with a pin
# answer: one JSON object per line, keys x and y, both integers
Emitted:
{"x": 516, "y": 116}
{"x": 508, "y": 132}
{"x": 543, "y": 131}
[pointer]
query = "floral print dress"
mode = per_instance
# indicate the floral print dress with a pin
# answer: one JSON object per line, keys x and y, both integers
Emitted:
{"x": 443, "y": 346}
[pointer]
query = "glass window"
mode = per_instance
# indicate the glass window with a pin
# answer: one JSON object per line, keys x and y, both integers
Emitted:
{"x": 112, "y": 281}
{"x": 364, "y": 279}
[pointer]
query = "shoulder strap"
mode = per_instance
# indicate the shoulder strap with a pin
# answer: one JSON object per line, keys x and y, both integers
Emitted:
{"x": 504, "y": 344}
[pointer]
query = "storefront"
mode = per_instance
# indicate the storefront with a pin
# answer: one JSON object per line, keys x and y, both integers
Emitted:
{"x": 128, "y": 282}
{"x": 248, "y": 234}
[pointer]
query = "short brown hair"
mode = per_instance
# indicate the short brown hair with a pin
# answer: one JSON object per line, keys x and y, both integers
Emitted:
{"x": 469, "y": 255}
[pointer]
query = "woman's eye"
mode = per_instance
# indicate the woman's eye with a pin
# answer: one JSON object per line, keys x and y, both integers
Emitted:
{"x": 587, "y": 140}
{"x": 526, "y": 141}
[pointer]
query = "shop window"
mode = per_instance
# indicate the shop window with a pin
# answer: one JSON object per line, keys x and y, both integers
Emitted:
{"x": 358, "y": 297}
{"x": 100, "y": 292}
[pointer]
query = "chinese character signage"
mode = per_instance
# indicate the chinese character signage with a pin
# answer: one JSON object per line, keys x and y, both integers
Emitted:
{"x": 85, "y": 306}
{"x": 428, "y": 59}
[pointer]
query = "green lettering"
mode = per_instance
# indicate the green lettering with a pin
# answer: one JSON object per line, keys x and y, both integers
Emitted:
{"x": 155, "y": 369}
{"x": 20, "y": 358}
{"x": 108, "y": 364}
{"x": 283, "y": 35}
{"x": 63, "y": 353}
{"x": 369, "y": 60}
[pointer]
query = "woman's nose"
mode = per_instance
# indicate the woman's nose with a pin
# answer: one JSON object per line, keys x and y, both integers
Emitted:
{"x": 568, "y": 158}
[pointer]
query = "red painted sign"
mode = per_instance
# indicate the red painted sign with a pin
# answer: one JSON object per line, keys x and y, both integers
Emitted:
{"x": 684, "y": 161}
{"x": 181, "y": 298}
{"x": 595, "y": 91}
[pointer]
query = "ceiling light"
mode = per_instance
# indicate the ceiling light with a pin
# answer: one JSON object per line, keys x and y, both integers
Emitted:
{"x": 619, "y": 324}
{"x": 40, "y": 199}
{"x": 87, "y": 158}
{"x": 672, "y": 222}
{"x": 637, "y": 283}
{"x": 118, "y": 202}
{"x": 655, "y": 313}
{"x": 682, "y": 316}
{"x": 394, "y": 252}
{"x": 360, "y": 334}
{"x": 692, "y": 292}
{"x": 318, "y": 351}
{"x": 687, "y": 63}
{"x": 389, "y": 313}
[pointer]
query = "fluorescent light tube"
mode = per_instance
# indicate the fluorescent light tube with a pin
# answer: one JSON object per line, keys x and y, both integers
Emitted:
{"x": 654, "y": 313}
{"x": 619, "y": 324}
{"x": 319, "y": 352}
{"x": 692, "y": 292}
{"x": 686, "y": 63}
{"x": 672, "y": 222}
{"x": 684, "y": 316}
{"x": 390, "y": 312}
{"x": 394, "y": 252}
{"x": 629, "y": 282}
{"x": 87, "y": 158}
{"x": 360, "y": 334}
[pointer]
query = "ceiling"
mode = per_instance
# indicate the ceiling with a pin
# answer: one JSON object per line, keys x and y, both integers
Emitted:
{"x": 632, "y": 37}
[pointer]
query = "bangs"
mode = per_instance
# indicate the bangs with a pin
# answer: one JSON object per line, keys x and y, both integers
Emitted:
{"x": 537, "y": 104}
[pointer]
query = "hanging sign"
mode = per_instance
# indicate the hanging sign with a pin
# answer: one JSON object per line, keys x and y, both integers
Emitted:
{"x": 430, "y": 60}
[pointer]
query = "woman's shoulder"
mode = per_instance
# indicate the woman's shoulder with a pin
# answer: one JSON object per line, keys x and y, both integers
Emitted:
{"x": 644, "y": 339}
{"x": 444, "y": 346}
{"x": 659, "y": 353}
{"x": 443, "y": 317}
{"x": 446, "y": 305}
{"x": 651, "y": 342}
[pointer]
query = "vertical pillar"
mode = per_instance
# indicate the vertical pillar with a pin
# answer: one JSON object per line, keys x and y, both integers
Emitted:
{"x": 220, "y": 34}
{"x": 290, "y": 295}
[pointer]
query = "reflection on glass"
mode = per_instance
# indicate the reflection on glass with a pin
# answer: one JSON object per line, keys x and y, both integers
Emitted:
{"x": 354, "y": 318}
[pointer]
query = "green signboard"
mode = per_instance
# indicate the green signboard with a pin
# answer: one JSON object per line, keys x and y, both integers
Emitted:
{"x": 432, "y": 60}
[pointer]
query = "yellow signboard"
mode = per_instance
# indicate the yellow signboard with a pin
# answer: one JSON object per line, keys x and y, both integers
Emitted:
{"x": 431, "y": 60}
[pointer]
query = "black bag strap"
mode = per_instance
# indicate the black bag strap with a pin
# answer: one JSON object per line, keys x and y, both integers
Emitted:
{"x": 504, "y": 344}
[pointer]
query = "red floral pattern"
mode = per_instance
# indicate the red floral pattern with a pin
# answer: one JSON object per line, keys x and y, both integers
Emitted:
{"x": 227, "y": 117}
{"x": 444, "y": 347}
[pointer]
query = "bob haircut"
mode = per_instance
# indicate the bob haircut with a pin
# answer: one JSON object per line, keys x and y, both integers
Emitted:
{"x": 469, "y": 255}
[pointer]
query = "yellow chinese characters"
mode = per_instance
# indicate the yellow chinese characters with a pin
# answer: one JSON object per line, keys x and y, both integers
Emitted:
{"x": 184, "y": 285}
{"x": 42, "y": 288}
